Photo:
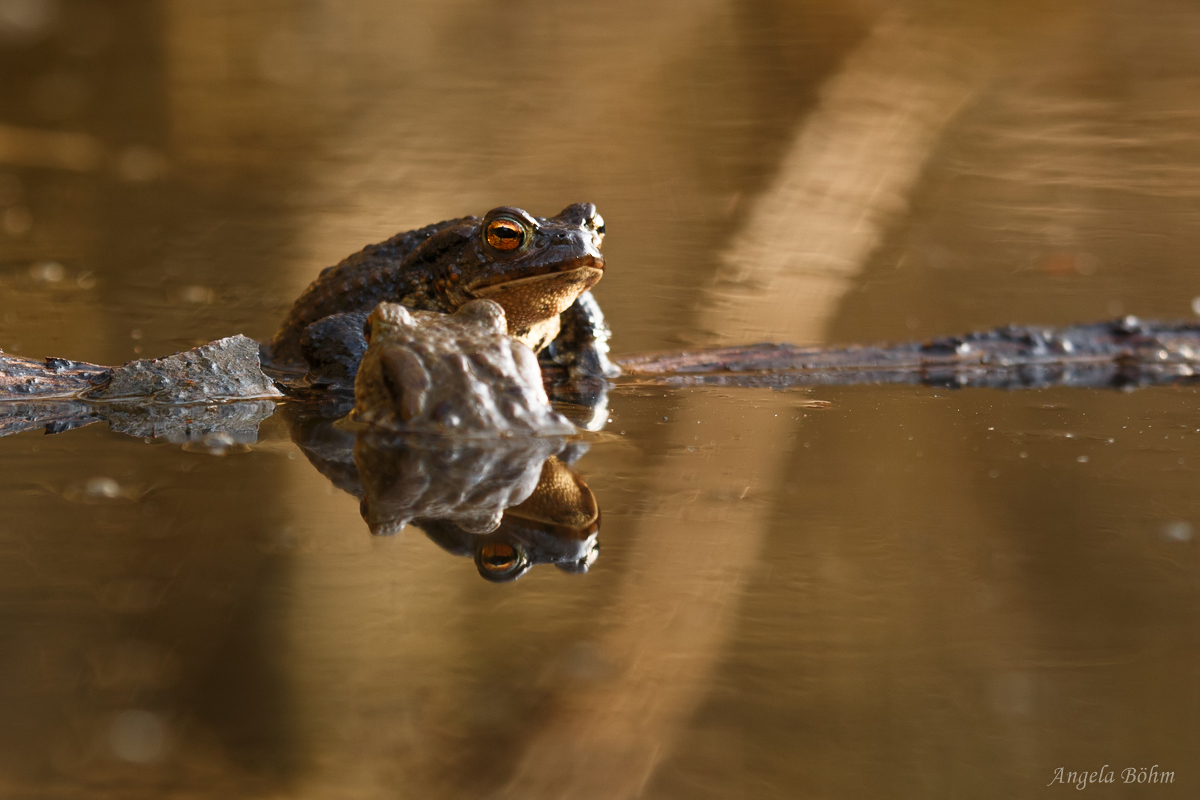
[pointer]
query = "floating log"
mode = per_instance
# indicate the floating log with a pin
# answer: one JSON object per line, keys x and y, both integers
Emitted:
{"x": 1122, "y": 352}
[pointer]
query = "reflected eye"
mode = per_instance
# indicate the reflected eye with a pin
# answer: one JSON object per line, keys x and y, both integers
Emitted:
{"x": 367, "y": 330}
{"x": 505, "y": 234}
{"x": 497, "y": 557}
{"x": 598, "y": 221}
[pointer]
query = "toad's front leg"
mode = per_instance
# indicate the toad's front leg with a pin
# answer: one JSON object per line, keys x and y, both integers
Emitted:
{"x": 582, "y": 342}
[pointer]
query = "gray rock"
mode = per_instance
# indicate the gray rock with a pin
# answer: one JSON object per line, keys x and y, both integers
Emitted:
{"x": 227, "y": 369}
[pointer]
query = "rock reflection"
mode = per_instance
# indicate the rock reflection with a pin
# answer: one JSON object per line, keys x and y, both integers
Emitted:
{"x": 508, "y": 504}
{"x": 218, "y": 427}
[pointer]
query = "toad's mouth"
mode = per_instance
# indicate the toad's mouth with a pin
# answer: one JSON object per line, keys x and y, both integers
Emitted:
{"x": 585, "y": 269}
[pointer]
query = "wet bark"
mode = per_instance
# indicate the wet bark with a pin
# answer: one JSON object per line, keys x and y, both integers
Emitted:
{"x": 1118, "y": 353}
{"x": 23, "y": 379}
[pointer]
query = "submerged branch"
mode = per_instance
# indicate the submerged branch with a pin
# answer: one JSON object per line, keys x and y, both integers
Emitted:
{"x": 1118, "y": 353}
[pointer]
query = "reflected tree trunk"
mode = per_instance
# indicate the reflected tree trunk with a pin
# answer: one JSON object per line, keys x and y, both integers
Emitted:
{"x": 845, "y": 179}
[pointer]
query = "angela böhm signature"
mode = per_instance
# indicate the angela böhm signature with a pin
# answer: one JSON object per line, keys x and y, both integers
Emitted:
{"x": 1106, "y": 774}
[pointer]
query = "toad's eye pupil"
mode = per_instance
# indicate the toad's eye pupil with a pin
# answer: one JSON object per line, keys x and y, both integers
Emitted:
{"x": 504, "y": 234}
{"x": 498, "y": 556}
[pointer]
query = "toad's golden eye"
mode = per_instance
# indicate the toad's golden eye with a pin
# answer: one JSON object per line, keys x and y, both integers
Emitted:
{"x": 505, "y": 234}
{"x": 498, "y": 557}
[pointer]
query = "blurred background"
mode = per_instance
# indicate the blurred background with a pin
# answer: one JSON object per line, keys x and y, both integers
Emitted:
{"x": 849, "y": 592}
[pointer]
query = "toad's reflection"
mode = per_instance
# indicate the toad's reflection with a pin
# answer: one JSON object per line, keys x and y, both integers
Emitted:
{"x": 509, "y": 504}
{"x": 557, "y": 524}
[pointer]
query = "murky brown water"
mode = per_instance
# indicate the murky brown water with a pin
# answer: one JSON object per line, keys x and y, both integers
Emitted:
{"x": 890, "y": 592}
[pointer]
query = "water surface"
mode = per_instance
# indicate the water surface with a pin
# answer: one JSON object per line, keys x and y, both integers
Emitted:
{"x": 838, "y": 592}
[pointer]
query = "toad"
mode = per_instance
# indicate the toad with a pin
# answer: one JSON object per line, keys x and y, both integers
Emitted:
{"x": 457, "y": 374}
{"x": 538, "y": 269}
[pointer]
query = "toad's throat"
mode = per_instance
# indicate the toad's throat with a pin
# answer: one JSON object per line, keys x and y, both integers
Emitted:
{"x": 532, "y": 303}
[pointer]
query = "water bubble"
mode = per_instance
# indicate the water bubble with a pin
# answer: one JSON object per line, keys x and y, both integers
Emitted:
{"x": 217, "y": 443}
{"x": 102, "y": 487}
{"x": 137, "y": 735}
{"x": 1196, "y": 305}
{"x": 1178, "y": 530}
{"x": 1082, "y": 459}
{"x": 47, "y": 271}
{"x": 16, "y": 221}
{"x": 86, "y": 280}
{"x": 197, "y": 294}
{"x": 97, "y": 489}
